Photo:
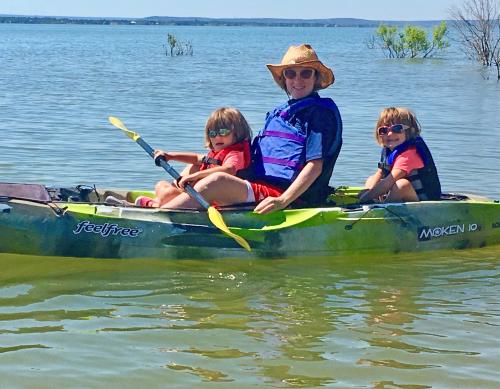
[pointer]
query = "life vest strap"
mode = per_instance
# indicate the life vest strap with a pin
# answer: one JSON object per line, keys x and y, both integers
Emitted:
{"x": 285, "y": 135}
{"x": 282, "y": 162}
{"x": 211, "y": 161}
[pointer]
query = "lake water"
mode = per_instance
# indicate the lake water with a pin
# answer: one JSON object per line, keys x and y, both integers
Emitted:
{"x": 413, "y": 321}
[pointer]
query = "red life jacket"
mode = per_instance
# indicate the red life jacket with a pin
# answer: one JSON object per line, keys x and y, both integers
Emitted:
{"x": 216, "y": 158}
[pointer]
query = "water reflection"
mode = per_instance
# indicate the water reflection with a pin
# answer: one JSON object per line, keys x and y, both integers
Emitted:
{"x": 285, "y": 323}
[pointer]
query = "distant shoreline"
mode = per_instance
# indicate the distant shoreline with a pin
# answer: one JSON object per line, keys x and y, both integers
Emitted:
{"x": 196, "y": 21}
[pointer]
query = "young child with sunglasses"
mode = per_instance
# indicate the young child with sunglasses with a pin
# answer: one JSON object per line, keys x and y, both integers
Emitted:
{"x": 227, "y": 135}
{"x": 406, "y": 171}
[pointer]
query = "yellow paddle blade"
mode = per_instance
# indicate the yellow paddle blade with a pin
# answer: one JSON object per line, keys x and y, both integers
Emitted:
{"x": 292, "y": 218}
{"x": 216, "y": 218}
{"x": 119, "y": 124}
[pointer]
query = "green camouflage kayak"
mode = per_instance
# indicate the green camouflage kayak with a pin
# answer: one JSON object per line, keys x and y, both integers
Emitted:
{"x": 77, "y": 223}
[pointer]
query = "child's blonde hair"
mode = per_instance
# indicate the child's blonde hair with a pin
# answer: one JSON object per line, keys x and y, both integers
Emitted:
{"x": 398, "y": 115}
{"x": 230, "y": 118}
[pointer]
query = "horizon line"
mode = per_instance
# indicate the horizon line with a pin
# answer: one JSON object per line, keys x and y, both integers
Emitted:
{"x": 216, "y": 18}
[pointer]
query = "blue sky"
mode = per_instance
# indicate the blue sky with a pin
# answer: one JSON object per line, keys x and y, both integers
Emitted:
{"x": 363, "y": 9}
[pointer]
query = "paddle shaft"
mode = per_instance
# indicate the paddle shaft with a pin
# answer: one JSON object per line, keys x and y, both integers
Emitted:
{"x": 175, "y": 175}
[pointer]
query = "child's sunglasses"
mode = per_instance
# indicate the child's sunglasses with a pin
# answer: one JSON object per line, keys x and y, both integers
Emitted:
{"x": 220, "y": 132}
{"x": 305, "y": 74}
{"x": 395, "y": 128}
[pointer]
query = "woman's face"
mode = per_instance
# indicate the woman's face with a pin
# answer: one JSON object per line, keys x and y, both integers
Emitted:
{"x": 299, "y": 81}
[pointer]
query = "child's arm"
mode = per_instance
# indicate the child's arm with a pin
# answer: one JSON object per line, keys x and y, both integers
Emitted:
{"x": 383, "y": 186}
{"x": 195, "y": 177}
{"x": 192, "y": 158}
{"x": 232, "y": 162}
{"x": 374, "y": 179}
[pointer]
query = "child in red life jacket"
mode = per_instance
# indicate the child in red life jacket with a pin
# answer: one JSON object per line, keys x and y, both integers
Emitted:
{"x": 406, "y": 171}
{"x": 227, "y": 135}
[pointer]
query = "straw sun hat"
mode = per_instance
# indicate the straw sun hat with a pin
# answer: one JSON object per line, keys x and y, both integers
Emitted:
{"x": 302, "y": 56}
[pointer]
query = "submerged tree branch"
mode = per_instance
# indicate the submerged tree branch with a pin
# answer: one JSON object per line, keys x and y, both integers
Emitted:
{"x": 478, "y": 25}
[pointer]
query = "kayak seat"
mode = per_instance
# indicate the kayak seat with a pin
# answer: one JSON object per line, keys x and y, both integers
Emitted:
{"x": 31, "y": 192}
{"x": 454, "y": 196}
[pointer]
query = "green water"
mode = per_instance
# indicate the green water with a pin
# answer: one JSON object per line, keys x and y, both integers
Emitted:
{"x": 412, "y": 321}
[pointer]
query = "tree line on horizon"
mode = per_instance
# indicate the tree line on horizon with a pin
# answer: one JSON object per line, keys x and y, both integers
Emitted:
{"x": 198, "y": 21}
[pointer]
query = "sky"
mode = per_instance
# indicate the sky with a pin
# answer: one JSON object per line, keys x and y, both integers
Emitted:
{"x": 288, "y": 9}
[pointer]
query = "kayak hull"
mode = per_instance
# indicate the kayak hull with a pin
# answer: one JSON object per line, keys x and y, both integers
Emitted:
{"x": 97, "y": 230}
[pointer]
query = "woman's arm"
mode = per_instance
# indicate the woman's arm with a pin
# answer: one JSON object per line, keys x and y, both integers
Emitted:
{"x": 304, "y": 180}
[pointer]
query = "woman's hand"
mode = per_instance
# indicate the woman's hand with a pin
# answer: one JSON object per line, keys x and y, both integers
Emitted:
{"x": 270, "y": 204}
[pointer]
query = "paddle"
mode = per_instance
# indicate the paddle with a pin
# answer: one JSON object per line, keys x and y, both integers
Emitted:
{"x": 213, "y": 214}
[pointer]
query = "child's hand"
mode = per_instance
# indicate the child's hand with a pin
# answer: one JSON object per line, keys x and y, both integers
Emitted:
{"x": 160, "y": 154}
{"x": 189, "y": 179}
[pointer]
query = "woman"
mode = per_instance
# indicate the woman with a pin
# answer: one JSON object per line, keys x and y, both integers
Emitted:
{"x": 294, "y": 154}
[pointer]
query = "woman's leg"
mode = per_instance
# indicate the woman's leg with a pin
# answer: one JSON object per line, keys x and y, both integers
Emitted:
{"x": 222, "y": 188}
{"x": 403, "y": 191}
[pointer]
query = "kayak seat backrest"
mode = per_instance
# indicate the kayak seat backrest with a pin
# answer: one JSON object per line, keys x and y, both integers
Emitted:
{"x": 31, "y": 192}
{"x": 453, "y": 196}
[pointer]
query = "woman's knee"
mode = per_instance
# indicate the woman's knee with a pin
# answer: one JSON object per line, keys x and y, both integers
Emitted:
{"x": 213, "y": 180}
{"x": 162, "y": 185}
{"x": 223, "y": 187}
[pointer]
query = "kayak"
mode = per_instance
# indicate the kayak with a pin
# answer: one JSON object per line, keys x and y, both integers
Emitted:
{"x": 76, "y": 222}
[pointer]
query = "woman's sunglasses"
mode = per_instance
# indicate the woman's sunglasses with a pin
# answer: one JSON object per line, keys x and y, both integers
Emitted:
{"x": 395, "y": 128}
{"x": 305, "y": 74}
{"x": 219, "y": 132}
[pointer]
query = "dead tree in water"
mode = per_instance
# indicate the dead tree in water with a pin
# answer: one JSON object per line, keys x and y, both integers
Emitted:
{"x": 478, "y": 25}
